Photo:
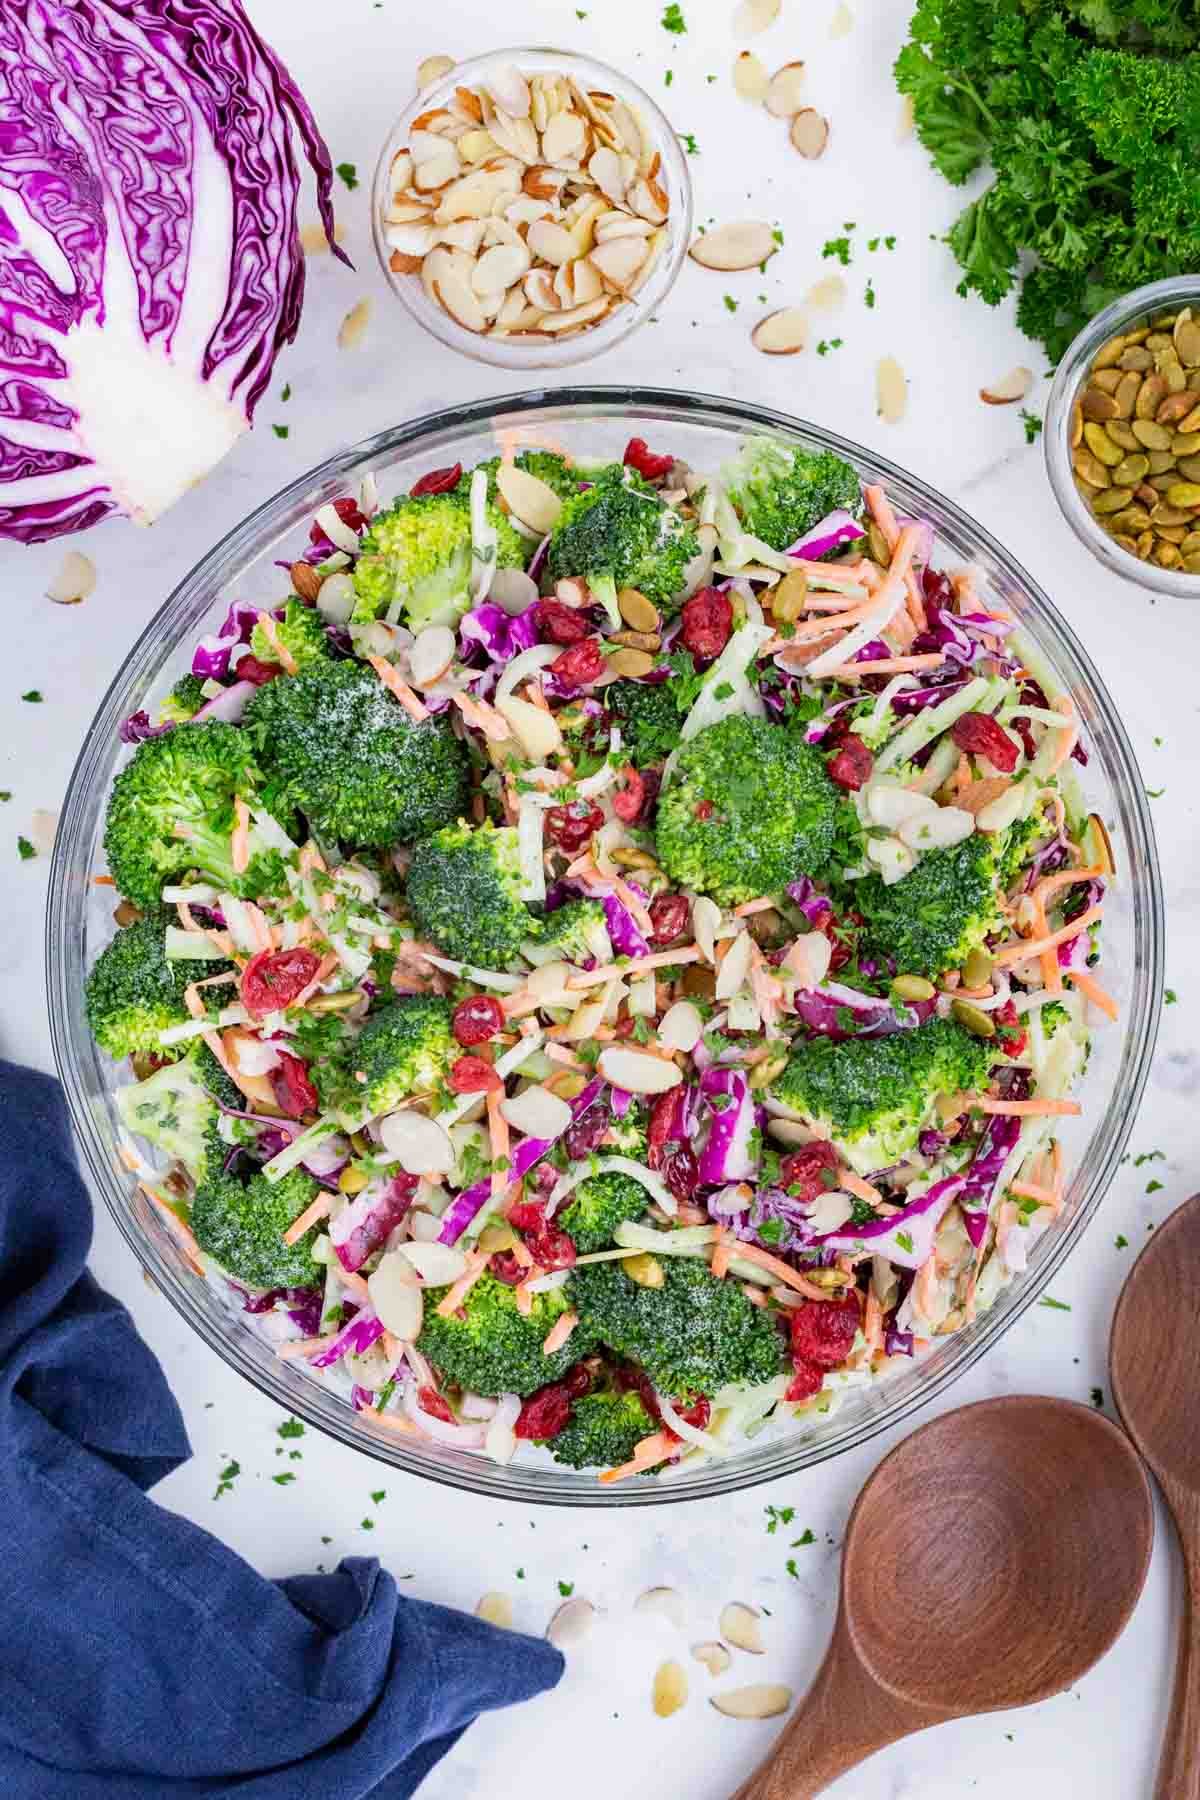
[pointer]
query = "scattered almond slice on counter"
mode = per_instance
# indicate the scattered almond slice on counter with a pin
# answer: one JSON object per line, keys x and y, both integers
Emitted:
{"x": 904, "y": 122}
{"x": 739, "y": 1625}
{"x": 76, "y": 579}
{"x": 829, "y": 291}
{"x": 714, "y": 1656}
{"x": 809, "y": 133}
{"x": 665, "y": 1602}
{"x": 891, "y": 390}
{"x": 571, "y": 1623}
{"x": 735, "y": 247}
{"x": 750, "y": 78}
{"x": 1011, "y": 387}
{"x": 842, "y": 22}
{"x": 762, "y": 1701}
{"x": 754, "y": 16}
{"x": 496, "y": 1609}
{"x": 670, "y": 1689}
{"x": 353, "y": 327}
{"x": 783, "y": 96}
{"x": 43, "y": 829}
{"x": 781, "y": 333}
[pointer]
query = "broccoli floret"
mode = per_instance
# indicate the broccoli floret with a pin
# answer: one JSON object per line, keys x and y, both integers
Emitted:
{"x": 301, "y": 631}
{"x": 241, "y": 1225}
{"x": 750, "y": 808}
{"x": 648, "y": 716}
{"x": 598, "y": 1206}
{"x": 492, "y": 1348}
{"x": 603, "y": 1431}
{"x": 338, "y": 747}
{"x": 1018, "y": 842}
{"x": 619, "y": 534}
{"x": 173, "y": 1110}
{"x": 464, "y": 892}
{"x": 171, "y": 809}
{"x": 415, "y": 561}
{"x": 939, "y": 912}
{"x": 572, "y": 933}
{"x": 1053, "y": 1016}
{"x": 872, "y": 1096}
{"x": 693, "y": 1335}
{"x": 213, "y": 1078}
{"x": 547, "y": 465}
{"x": 133, "y": 992}
{"x": 184, "y": 700}
{"x": 404, "y": 1048}
{"x": 779, "y": 491}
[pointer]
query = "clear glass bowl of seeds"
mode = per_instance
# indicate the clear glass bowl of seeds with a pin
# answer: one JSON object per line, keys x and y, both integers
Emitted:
{"x": 531, "y": 208}
{"x": 1123, "y": 436}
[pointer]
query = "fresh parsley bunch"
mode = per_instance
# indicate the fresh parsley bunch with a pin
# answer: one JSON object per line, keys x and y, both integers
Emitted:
{"x": 1088, "y": 113}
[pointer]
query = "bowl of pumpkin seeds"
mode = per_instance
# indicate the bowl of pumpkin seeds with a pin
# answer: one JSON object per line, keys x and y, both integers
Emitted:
{"x": 1123, "y": 436}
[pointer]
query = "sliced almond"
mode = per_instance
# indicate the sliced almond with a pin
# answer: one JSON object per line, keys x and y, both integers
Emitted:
{"x": 662, "y": 1602}
{"x": 551, "y": 242}
{"x": 426, "y": 146}
{"x": 940, "y": 829}
{"x": 438, "y": 121}
{"x": 619, "y": 260}
{"x": 750, "y": 78}
{"x": 500, "y": 268}
{"x": 571, "y": 1623}
{"x": 313, "y": 240}
{"x": 655, "y": 247}
{"x": 421, "y": 1146}
{"x": 535, "y": 729}
{"x": 732, "y": 248}
{"x": 496, "y": 1609}
{"x": 434, "y": 68}
{"x": 516, "y": 137}
{"x": 753, "y": 16}
{"x": 437, "y": 173}
{"x": 842, "y": 22}
{"x": 510, "y": 90}
{"x": 532, "y": 500}
{"x": 460, "y": 301}
{"x": 437, "y": 1265}
{"x": 395, "y": 1294}
{"x": 739, "y": 1625}
{"x": 583, "y": 225}
{"x": 715, "y": 1657}
{"x": 612, "y": 225}
{"x": 543, "y": 183}
{"x": 430, "y": 655}
{"x": 464, "y": 234}
{"x": 401, "y": 171}
{"x": 891, "y": 390}
{"x": 784, "y": 96}
{"x": 413, "y": 239}
{"x": 540, "y": 290}
{"x": 525, "y": 209}
{"x": 409, "y": 212}
{"x": 638, "y": 1072}
{"x": 649, "y": 201}
{"x": 439, "y": 265}
{"x": 682, "y": 1027}
{"x": 735, "y": 966}
{"x": 536, "y": 1112}
{"x": 564, "y": 138}
{"x": 762, "y": 1701}
{"x": 473, "y": 196}
{"x": 829, "y": 291}
{"x": 575, "y": 316}
{"x": 43, "y": 829}
{"x": 477, "y": 146}
{"x": 809, "y": 133}
{"x": 781, "y": 333}
{"x": 75, "y": 580}
{"x": 469, "y": 104}
{"x": 578, "y": 282}
{"x": 605, "y": 170}
{"x": 353, "y": 327}
{"x": 670, "y": 1690}
{"x": 1010, "y": 388}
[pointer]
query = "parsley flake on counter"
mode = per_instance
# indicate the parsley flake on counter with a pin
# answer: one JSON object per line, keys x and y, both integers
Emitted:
{"x": 287, "y": 391}
{"x": 349, "y": 174}
{"x": 227, "y": 1477}
{"x": 1097, "y": 1396}
{"x": 566, "y": 1589}
{"x": 284, "y": 1479}
{"x": 1032, "y": 424}
{"x": 1153, "y": 1187}
{"x": 25, "y": 849}
{"x": 280, "y": 431}
{"x": 828, "y": 344}
{"x": 379, "y": 1494}
{"x": 792, "y": 1569}
{"x": 34, "y": 697}
{"x": 689, "y": 143}
{"x": 1057, "y": 1305}
{"x": 1145, "y": 1156}
{"x": 777, "y": 1516}
{"x": 520, "y": 1574}
{"x": 1120, "y": 1242}
{"x": 673, "y": 19}
{"x": 1169, "y": 994}
{"x": 290, "y": 1428}
{"x": 367, "y": 1524}
{"x": 869, "y": 295}
{"x": 807, "y": 1536}
{"x": 731, "y": 304}
{"x": 5, "y": 793}
{"x": 839, "y": 248}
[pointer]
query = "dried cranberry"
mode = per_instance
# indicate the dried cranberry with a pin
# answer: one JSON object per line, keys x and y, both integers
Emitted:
{"x": 979, "y": 735}
{"x": 697, "y": 1414}
{"x": 823, "y": 1331}
{"x": 706, "y": 624}
{"x": 681, "y": 1171}
{"x": 505, "y": 1267}
{"x": 578, "y": 1381}
{"x": 1012, "y": 1036}
{"x": 272, "y": 979}
{"x": 664, "y": 1116}
{"x": 806, "y": 1381}
{"x": 431, "y": 1402}
{"x": 802, "y": 1172}
{"x": 937, "y": 588}
{"x": 627, "y": 801}
{"x": 477, "y": 1019}
{"x": 348, "y": 512}
{"x": 638, "y": 455}
{"x": 472, "y": 1075}
{"x": 851, "y": 763}
{"x": 558, "y": 623}
{"x": 842, "y": 936}
{"x": 249, "y": 668}
{"x": 704, "y": 809}
{"x": 545, "y": 1413}
{"x": 438, "y": 481}
{"x": 631, "y": 1380}
{"x": 527, "y": 1215}
{"x": 551, "y": 1248}
{"x": 669, "y": 914}
{"x": 586, "y": 1132}
{"x": 571, "y": 827}
{"x": 295, "y": 1094}
{"x": 582, "y": 663}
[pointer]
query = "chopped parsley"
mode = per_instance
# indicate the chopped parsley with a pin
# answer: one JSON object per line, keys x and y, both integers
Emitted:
{"x": 349, "y": 175}
{"x": 1033, "y": 425}
{"x": 1057, "y": 1305}
{"x": 5, "y": 793}
{"x": 1146, "y": 1156}
{"x": 284, "y": 1479}
{"x": 1120, "y": 1242}
{"x": 566, "y": 1589}
{"x": 1153, "y": 1187}
{"x": 227, "y": 1477}
{"x": 1169, "y": 996}
{"x": 25, "y": 849}
{"x": 731, "y": 304}
{"x": 828, "y": 344}
{"x": 689, "y": 143}
{"x": 34, "y": 697}
{"x": 673, "y": 19}
{"x": 290, "y": 1428}
{"x": 839, "y": 248}
{"x": 287, "y": 391}
{"x": 280, "y": 431}
{"x": 869, "y": 295}
{"x": 807, "y": 1536}
{"x": 778, "y": 1515}
{"x": 379, "y": 1494}
{"x": 668, "y": 78}
{"x": 777, "y": 234}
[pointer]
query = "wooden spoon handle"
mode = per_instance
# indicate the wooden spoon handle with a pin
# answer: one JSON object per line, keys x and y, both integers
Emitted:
{"x": 1179, "y": 1769}
{"x": 843, "y": 1719}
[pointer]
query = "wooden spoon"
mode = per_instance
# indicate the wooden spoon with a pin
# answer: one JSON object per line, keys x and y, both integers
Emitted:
{"x": 990, "y": 1560}
{"x": 1154, "y": 1362}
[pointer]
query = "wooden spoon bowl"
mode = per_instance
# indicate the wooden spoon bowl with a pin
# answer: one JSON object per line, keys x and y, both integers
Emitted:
{"x": 989, "y": 1561}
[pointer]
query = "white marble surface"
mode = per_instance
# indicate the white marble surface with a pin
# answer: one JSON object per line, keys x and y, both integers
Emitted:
{"x": 356, "y": 62}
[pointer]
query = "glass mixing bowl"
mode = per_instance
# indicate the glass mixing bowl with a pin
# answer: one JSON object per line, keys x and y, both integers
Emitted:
{"x": 592, "y": 421}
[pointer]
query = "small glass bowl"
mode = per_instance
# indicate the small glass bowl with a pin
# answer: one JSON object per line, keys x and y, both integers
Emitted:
{"x": 1123, "y": 315}
{"x": 512, "y": 353}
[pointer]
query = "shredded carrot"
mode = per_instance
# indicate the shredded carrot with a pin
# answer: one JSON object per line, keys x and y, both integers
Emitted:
{"x": 1033, "y": 1190}
{"x": 316, "y": 1209}
{"x": 1091, "y": 989}
{"x": 560, "y": 1054}
{"x": 220, "y": 940}
{"x": 483, "y": 717}
{"x": 499, "y": 1139}
{"x": 324, "y": 970}
{"x": 522, "y": 1295}
{"x": 872, "y": 1323}
{"x": 748, "y": 907}
{"x": 885, "y": 518}
{"x": 454, "y": 1296}
{"x": 1029, "y": 1109}
{"x": 1068, "y": 737}
{"x": 925, "y": 1286}
{"x": 304, "y": 1346}
{"x": 782, "y": 1271}
{"x": 283, "y": 655}
{"x": 661, "y": 959}
{"x": 650, "y": 1451}
{"x": 182, "y": 1233}
{"x": 390, "y": 678}
{"x": 240, "y": 850}
{"x": 885, "y": 665}
{"x": 103, "y": 881}
{"x": 854, "y": 1184}
{"x": 559, "y": 1332}
{"x": 1023, "y": 949}
{"x": 355, "y": 1286}
{"x": 722, "y": 1250}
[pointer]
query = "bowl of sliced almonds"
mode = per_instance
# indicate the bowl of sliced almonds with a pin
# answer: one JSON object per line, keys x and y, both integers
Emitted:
{"x": 531, "y": 208}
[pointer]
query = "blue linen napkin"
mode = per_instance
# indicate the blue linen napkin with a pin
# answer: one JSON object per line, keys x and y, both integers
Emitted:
{"x": 139, "y": 1658}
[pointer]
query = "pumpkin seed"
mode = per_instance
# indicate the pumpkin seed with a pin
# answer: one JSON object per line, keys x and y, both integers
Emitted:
{"x": 1168, "y": 515}
{"x": 978, "y": 967}
{"x": 913, "y": 987}
{"x": 1126, "y": 543}
{"x": 1090, "y": 469}
{"x": 877, "y": 545}
{"x": 1130, "y": 470}
{"x": 1134, "y": 518}
{"x": 1190, "y": 421}
{"x": 1162, "y": 482}
{"x": 1120, "y": 433}
{"x": 1108, "y": 380}
{"x": 1098, "y": 405}
{"x": 1151, "y": 395}
{"x": 1101, "y": 445}
{"x": 1156, "y": 340}
{"x": 1110, "y": 500}
{"x": 1143, "y": 545}
{"x": 1135, "y": 358}
{"x": 1146, "y": 494}
{"x": 1191, "y": 543}
{"x": 764, "y": 1073}
{"x": 1167, "y": 556}
{"x": 645, "y": 1270}
{"x": 1191, "y": 562}
{"x": 1127, "y": 391}
{"x": 637, "y": 640}
{"x": 1174, "y": 408}
{"x": 1184, "y": 493}
{"x": 636, "y": 610}
{"x": 973, "y": 1019}
{"x": 1137, "y": 336}
{"x": 1076, "y": 424}
{"x": 1170, "y": 534}
{"x": 1160, "y": 461}
{"x": 1154, "y": 437}
{"x": 1176, "y": 377}
{"x": 1193, "y": 379}
{"x": 1108, "y": 354}
{"x": 789, "y": 599}
{"x": 631, "y": 663}
{"x": 1187, "y": 342}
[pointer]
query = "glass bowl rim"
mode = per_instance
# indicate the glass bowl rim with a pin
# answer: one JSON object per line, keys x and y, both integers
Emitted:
{"x": 475, "y": 1475}
{"x": 1057, "y": 447}
{"x": 504, "y": 353}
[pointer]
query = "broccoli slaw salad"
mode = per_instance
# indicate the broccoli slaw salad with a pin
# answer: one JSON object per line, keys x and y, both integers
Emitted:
{"x": 603, "y": 964}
